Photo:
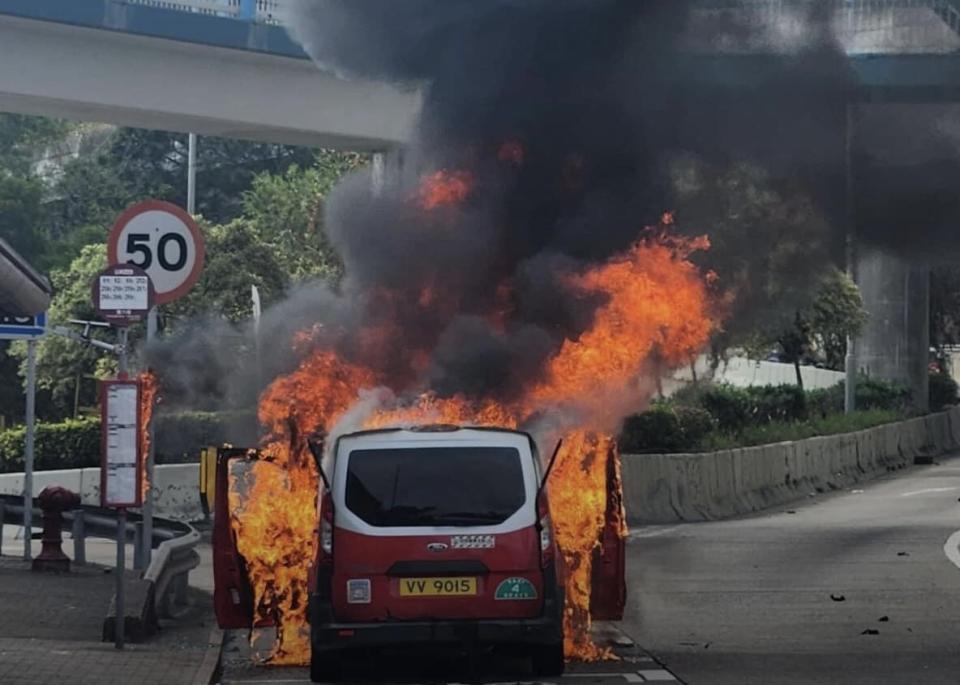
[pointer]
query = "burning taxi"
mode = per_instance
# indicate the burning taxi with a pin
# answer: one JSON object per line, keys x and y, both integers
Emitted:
{"x": 436, "y": 535}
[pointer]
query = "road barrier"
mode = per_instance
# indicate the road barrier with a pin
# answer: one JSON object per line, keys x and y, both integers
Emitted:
{"x": 668, "y": 488}
{"x": 163, "y": 585}
{"x": 175, "y": 490}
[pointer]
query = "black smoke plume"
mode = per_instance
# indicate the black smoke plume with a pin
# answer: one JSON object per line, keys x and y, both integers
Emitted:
{"x": 578, "y": 123}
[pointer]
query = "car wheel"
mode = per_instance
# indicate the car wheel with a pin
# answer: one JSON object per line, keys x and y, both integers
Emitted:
{"x": 547, "y": 660}
{"x": 325, "y": 667}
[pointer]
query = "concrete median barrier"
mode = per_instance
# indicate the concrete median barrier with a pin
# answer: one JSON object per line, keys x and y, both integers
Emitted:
{"x": 669, "y": 488}
{"x": 176, "y": 488}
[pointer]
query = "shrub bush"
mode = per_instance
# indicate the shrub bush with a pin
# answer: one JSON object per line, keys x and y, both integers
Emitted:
{"x": 180, "y": 436}
{"x": 778, "y": 431}
{"x": 69, "y": 445}
{"x": 943, "y": 391}
{"x": 695, "y": 425}
{"x": 874, "y": 393}
{"x": 776, "y": 403}
{"x": 729, "y": 406}
{"x": 823, "y": 402}
{"x": 664, "y": 428}
{"x": 76, "y": 443}
{"x": 655, "y": 430}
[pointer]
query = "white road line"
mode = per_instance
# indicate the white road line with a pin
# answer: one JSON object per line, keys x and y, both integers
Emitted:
{"x": 651, "y": 532}
{"x": 926, "y": 491}
{"x": 269, "y": 682}
{"x": 952, "y": 549}
{"x": 629, "y": 677}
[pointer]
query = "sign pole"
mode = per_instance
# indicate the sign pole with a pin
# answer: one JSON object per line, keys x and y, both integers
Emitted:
{"x": 28, "y": 448}
{"x": 164, "y": 243}
{"x": 121, "y": 562}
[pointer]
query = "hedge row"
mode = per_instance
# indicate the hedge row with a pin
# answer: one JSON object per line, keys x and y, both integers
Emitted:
{"x": 69, "y": 445}
{"x": 76, "y": 443}
{"x": 685, "y": 421}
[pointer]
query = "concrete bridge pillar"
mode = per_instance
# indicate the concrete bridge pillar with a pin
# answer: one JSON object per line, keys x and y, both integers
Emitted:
{"x": 895, "y": 342}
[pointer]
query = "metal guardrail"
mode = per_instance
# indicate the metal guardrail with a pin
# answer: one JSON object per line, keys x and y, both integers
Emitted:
{"x": 170, "y": 564}
{"x": 852, "y": 17}
{"x": 859, "y": 27}
{"x": 260, "y": 11}
{"x": 857, "y": 16}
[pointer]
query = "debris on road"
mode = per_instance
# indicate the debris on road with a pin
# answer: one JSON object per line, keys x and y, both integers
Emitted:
{"x": 903, "y": 554}
{"x": 870, "y": 631}
{"x": 838, "y": 598}
{"x": 883, "y": 619}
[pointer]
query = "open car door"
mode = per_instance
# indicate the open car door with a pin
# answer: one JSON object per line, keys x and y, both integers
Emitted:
{"x": 608, "y": 594}
{"x": 232, "y": 595}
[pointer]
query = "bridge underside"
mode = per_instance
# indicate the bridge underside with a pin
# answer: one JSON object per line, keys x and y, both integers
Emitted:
{"x": 86, "y": 74}
{"x": 907, "y": 79}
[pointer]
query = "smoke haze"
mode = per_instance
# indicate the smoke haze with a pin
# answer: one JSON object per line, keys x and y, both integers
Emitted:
{"x": 579, "y": 123}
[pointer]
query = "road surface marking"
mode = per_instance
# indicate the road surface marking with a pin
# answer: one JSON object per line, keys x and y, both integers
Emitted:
{"x": 658, "y": 675}
{"x": 629, "y": 677}
{"x": 926, "y": 491}
{"x": 651, "y": 532}
{"x": 269, "y": 682}
{"x": 952, "y": 548}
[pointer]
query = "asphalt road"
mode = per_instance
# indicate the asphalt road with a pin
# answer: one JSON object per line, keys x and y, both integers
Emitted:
{"x": 785, "y": 598}
{"x": 442, "y": 667}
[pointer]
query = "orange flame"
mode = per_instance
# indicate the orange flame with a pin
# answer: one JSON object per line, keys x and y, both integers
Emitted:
{"x": 444, "y": 189}
{"x": 148, "y": 400}
{"x": 656, "y": 312}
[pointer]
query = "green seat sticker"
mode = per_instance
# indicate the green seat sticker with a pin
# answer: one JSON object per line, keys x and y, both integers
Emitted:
{"x": 516, "y": 588}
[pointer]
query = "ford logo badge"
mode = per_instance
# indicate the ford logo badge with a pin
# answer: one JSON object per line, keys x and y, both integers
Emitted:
{"x": 438, "y": 547}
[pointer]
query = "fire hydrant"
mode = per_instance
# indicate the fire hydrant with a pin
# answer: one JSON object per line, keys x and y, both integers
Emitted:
{"x": 54, "y": 501}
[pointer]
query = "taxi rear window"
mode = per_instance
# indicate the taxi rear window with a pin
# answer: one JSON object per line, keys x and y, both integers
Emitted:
{"x": 435, "y": 486}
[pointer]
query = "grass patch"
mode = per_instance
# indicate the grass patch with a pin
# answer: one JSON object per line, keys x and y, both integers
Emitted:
{"x": 783, "y": 431}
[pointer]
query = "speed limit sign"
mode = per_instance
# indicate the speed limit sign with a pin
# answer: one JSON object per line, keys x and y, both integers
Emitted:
{"x": 164, "y": 241}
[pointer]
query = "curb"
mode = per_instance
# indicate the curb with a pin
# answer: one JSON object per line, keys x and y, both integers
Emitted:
{"x": 211, "y": 659}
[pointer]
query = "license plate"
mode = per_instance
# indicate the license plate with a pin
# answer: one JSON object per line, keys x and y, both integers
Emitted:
{"x": 437, "y": 587}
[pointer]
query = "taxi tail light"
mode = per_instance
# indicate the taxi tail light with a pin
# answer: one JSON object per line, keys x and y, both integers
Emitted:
{"x": 325, "y": 550}
{"x": 545, "y": 528}
{"x": 323, "y": 557}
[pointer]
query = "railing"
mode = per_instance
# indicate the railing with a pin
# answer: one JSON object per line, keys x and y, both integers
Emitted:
{"x": 860, "y": 26}
{"x": 170, "y": 563}
{"x": 261, "y": 11}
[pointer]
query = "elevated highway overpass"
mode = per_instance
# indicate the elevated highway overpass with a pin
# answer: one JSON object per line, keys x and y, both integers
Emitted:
{"x": 156, "y": 66}
{"x": 226, "y": 67}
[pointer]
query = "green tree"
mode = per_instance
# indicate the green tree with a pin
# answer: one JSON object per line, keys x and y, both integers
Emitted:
{"x": 236, "y": 260}
{"x": 769, "y": 244}
{"x": 67, "y": 370}
{"x": 822, "y": 327}
{"x": 154, "y": 163}
{"x": 21, "y": 215}
{"x": 944, "y": 306}
{"x": 135, "y": 164}
{"x": 286, "y": 211}
{"x": 22, "y": 139}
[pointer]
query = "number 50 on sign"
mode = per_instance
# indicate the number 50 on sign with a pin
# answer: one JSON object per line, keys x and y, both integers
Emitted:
{"x": 163, "y": 240}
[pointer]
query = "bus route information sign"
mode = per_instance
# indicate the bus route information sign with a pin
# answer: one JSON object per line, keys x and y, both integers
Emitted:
{"x": 121, "y": 460}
